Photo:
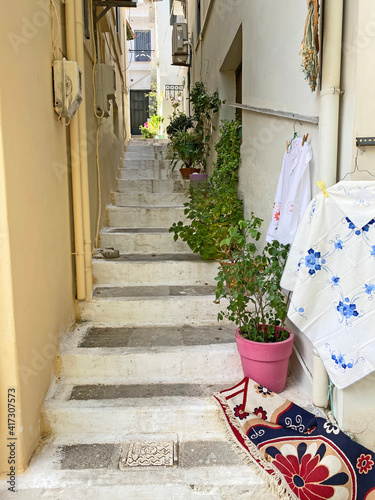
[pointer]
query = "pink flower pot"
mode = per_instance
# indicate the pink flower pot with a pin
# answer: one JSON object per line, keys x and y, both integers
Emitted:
{"x": 266, "y": 363}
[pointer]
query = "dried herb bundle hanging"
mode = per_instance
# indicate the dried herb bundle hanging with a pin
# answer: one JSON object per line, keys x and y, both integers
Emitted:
{"x": 310, "y": 44}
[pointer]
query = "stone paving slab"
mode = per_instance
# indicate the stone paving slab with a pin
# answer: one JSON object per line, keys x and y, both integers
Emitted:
{"x": 153, "y": 291}
{"x": 106, "y": 456}
{"x": 148, "y": 337}
{"x": 141, "y": 391}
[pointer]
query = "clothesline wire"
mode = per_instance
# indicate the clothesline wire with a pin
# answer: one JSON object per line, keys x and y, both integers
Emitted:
{"x": 356, "y": 169}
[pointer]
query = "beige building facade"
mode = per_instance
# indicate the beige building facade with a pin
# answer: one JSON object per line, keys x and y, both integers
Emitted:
{"x": 56, "y": 177}
{"x": 250, "y": 52}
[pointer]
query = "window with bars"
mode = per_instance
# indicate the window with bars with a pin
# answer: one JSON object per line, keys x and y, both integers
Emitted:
{"x": 141, "y": 50}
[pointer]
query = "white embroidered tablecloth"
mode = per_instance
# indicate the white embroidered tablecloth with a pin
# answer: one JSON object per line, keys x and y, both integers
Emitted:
{"x": 331, "y": 272}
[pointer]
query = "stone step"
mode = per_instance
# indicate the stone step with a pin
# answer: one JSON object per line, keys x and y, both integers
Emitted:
{"x": 153, "y": 186}
{"x": 205, "y": 470}
{"x": 160, "y": 305}
{"x": 164, "y": 269}
{"x": 146, "y": 164}
{"x": 135, "y": 217}
{"x": 145, "y": 241}
{"x": 97, "y": 354}
{"x": 184, "y": 409}
{"x": 148, "y": 199}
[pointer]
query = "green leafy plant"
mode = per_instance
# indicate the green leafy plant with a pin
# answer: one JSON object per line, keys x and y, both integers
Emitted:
{"x": 228, "y": 149}
{"x": 185, "y": 149}
{"x": 256, "y": 302}
{"x": 179, "y": 123}
{"x": 152, "y": 128}
{"x": 211, "y": 211}
{"x": 187, "y": 133}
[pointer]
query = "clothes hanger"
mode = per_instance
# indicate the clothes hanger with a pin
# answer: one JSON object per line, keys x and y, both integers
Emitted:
{"x": 289, "y": 143}
{"x": 356, "y": 169}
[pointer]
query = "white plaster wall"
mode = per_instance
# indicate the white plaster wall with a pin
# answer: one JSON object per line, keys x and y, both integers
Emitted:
{"x": 272, "y": 34}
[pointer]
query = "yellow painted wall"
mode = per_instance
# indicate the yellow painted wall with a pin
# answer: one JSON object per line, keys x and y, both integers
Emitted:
{"x": 40, "y": 277}
{"x": 37, "y": 275}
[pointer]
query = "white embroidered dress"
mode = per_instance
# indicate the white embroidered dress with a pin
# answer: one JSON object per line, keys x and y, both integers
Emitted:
{"x": 331, "y": 272}
{"x": 292, "y": 193}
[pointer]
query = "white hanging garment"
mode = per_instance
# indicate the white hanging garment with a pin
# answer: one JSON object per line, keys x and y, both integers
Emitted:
{"x": 331, "y": 272}
{"x": 293, "y": 193}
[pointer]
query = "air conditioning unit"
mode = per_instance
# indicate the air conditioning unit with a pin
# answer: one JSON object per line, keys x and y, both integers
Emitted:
{"x": 180, "y": 45}
{"x": 67, "y": 87}
{"x": 105, "y": 88}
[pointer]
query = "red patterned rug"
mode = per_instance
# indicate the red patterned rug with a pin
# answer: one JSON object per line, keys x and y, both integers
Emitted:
{"x": 300, "y": 456}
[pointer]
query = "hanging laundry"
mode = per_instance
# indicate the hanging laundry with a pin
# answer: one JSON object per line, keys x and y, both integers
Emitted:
{"x": 331, "y": 272}
{"x": 293, "y": 193}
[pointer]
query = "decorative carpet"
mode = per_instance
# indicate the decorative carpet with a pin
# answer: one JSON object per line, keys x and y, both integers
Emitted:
{"x": 299, "y": 455}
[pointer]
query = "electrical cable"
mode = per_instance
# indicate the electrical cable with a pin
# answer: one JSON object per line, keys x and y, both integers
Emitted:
{"x": 54, "y": 40}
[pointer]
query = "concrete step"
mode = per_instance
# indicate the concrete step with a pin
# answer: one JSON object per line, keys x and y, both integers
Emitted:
{"x": 153, "y": 186}
{"x": 153, "y": 270}
{"x": 184, "y": 409}
{"x": 155, "y": 217}
{"x": 146, "y": 164}
{"x": 145, "y": 241}
{"x": 148, "y": 199}
{"x": 161, "y": 305}
{"x": 205, "y": 470}
{"x": 96, "y": 354}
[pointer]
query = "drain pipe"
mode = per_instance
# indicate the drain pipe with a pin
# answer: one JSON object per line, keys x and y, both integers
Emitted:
{"x": 83, "y": 153}
{"x": 328, "y": 137}
{"x": 75, "y": 163}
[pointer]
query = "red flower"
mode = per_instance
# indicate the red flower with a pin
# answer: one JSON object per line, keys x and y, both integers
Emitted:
{"x": 364, "y": 463}
{"x": 240, "y": 413}
{"x": 260, "y": 413}
{"x": 276, "y": 215}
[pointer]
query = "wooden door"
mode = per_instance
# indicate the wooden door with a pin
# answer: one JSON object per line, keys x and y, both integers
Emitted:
{"x": 138, "y": 109}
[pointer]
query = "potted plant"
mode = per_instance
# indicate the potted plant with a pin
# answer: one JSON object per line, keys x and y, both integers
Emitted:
{"x": 257, "y": 304}
{"x": 211, "y": 211}
{"x": 214, "y": 208}
{"x": 190, "y": 137}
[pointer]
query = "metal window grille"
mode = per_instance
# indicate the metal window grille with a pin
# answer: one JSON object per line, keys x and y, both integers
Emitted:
{"x": 173, "y": 92}
{"x": 141, "y": 50}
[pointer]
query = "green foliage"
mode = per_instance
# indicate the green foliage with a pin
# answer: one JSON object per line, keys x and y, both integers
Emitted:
{"x": 212, "y": 211}
{"x": 254, "y": 293}
{"x": 179, "y": 123}
{"x": 152, "y": 128}
{"x": 228, "y": 152}
{"x": 185, "y": 149}
{"x": 205, "y": 105}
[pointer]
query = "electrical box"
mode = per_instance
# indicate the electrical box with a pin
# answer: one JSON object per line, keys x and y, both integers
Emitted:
{"x": 67, "y": 86}
{"x": 105, "y": 88}
{"x": 180, "y": 45}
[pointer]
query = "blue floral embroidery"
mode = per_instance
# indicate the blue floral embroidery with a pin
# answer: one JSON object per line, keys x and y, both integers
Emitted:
{"x": 363, "y": 229}
{"x": 338, "y": 244}
{"x": 340, "y": 360}
{"x": 313, "y": 261}
{"x": 351, "y": 225}
{"x": 369, "y": 289}
{"x": 299, "y": 310}
{"x": 335, "y": 280}
{"x": 312, "y": 211}
{"x": 373, "y": 250}
{"x": 346, "y": 309}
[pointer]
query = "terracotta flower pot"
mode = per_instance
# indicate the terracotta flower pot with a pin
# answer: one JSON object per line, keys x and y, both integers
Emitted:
{"x": 266, "y": 362}
{"x": 186, "y": 171}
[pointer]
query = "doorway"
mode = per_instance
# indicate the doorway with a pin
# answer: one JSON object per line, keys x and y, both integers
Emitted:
{"x": 139, "y": 109}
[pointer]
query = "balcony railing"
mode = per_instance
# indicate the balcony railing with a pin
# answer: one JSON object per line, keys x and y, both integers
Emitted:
{"x": 173, "y": 92}
{"x": 140, "y": 55}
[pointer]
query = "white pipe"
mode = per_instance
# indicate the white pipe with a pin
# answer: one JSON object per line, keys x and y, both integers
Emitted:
{"x": 79, "y": 32}
{"x": 320, "y": 382}
{"x": 328, "y": 136}
{"x": 330, "y": 91}
{"x": 75, "y": 163}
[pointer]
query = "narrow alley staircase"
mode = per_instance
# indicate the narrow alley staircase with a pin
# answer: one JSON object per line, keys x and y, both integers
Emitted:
{"x": 131, "y": 416}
